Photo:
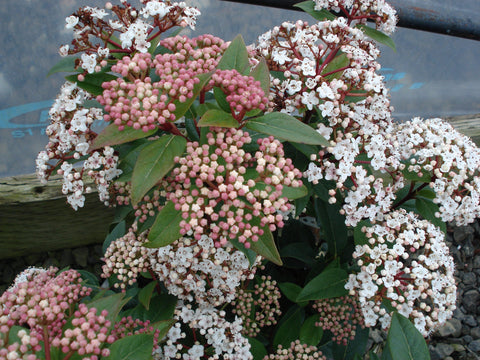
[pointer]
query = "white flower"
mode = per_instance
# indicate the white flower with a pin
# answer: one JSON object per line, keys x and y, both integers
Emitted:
{"x": 71, "y": 21}
{"x": 89, "y": 62}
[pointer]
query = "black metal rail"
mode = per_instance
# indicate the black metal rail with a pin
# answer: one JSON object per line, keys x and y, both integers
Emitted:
{"x": 459, "y": 18}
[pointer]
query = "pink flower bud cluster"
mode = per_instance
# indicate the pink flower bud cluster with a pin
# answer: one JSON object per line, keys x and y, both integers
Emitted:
{"x": 146, "y": 208}
{"x": 341, "y": 316}
{"x": 296, "y": 351}
{"x": 128, "y": 326}
{"x": 89, "y": 334}
{"x": 38, "y": 300}
{"x": 433, "y": 146}
{"x": 197, "y": 270}
{"x": 243, "y": 93}
{"x": 405, "y": 261}
{"x": 125, "y": 258}
{"x": 220, "y": 188}
{"x": 258, "y": 307}
{"x": 135, "y": 100}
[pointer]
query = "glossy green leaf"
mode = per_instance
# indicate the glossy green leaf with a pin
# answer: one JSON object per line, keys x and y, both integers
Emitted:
{"x": 404, "y": 341}
{"x": 427, "y": 209}
{"x": 166, "y": 228}
{"x": 257, "y": 349}
{"x": 182, "y": 108}
{"x": 358, "y": 235}
{"x": 300, "y": 251}
{"x": 377, "y": 36}
{"x": 354, "y": 347}
{"x": 286, "y": 127}
{"x": 145, "y": 294}
{"x": 221, "y": 99}
{"x": 311, "y": 334}
{"x": 161, "y": 308}
{"x": 292, "y": 193}
{"x": 112, "y": 136}
{"x": 338, "y": 62}
{"x": 328, "y": 284}
{"x": 66, "y": 64}
{"x": 332, "y": 224}
{"x": 133, "y": 347}
{"x": 412, "y": 176}
{"x": 219, "y": 118}
{"x": 154, "y": 162}
{"x": 235, "y": 57}
{"x": 191, "y": 130}
{"x": 306, "y": 149}
{"x": 289, "y": 327}
{"x": 92, "y": 82}
{"x": 261, "y": 73}
{"x": 309, "y": 8}
{"x": 290, "y": 290}
{"x": 265, "y": 246}
{"x": 112, "y": 303}
{"x": 163, "y": 327}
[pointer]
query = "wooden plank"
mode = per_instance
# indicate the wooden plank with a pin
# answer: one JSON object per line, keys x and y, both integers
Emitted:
{"x": 468, "y": 125}
{"x": 36, "y": 218}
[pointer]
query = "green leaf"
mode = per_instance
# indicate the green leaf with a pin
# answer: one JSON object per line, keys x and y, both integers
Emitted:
{"x": 88, "y": 278}
{"x": 338, "y": 62}
{"x": 112, "y": 303}
{"x": 404, "y": 341}
{"x": 154, "y": 44}
{"x": 112, "y": 136}
{"x": 235, "y": 57}
{"x": 191, "y": 130}
{"x": 221, "y": 99}
{"x": 427, "y": 209}
{"x": 358, "y": 235}
{"x": 289, "y": 328}
{"x": 166, "y": 228}
{"x": 290, "y": 290}
{"x": 145, "y": 294}
{"x": 220, "y": 118}
{"x": 133, "y": 347}
{"x": 306, "y": 149}
{"x": 261, "y": 73}
{"x": 292, "y": 193}
{"x": 265, "y": 245}
{"x": 413, "y": 176}
{"x": 286, "y": 127}
{"x": 377, "y": 36}
{"x": 309, "y": 8}
{"x": 332, "y": 223}
{"x": 182, "y": 108}
{"x": 163, "y": 327}
{"x": 329, "y": 284}
{"x": 67, "y": 64}
{"x": 257, "y": 349}
{"x": 154, "y": 162}
{"x": 309, "y": 333}
{"x": 299, "y": 251}
{"x": 92, "y": 82}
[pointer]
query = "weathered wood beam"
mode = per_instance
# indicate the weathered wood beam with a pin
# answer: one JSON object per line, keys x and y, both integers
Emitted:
{"x": 36, "y": 218}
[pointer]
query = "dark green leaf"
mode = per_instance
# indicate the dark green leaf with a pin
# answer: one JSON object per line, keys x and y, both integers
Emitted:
{"x": 291, "y": 291}
{"x": 166, "y": 228}
{"x": 163, "y": 327}
{"x": 311, "y": 334}
{"x": 426, "y": 193}
{"x": 309, "y": 7}
{"x": 427, "y": 209}
{"x": 404, "y": 341}
{"x": 299, "y": 251}
{"x": 373, "y": 356}
{"x": 145, "y": 294}
{"x": 332, "y": 224}
{"x": 92, "y": 82}
{"x": 265, "y": 246}
{"x": 286, "y": 127}
{"x": 377, "y": 36}
{"x": 182, "y": 108}
{"x": 413, "y": 176}
{"x": 261, "y": 73}
{"x": 306, "y": 149}
{"x": 329, "y": 284}
{"x": 191, "y": 130}
{"x": 358, "y": 235}
{"x": 88, "y": 278}
{"x": 338, "y": 62}
{"x": 221, "y": 100}
{"x": 292, "y": 193}
{"x": 289, "y": 327}
{"x": 133, "y": 347}
{"x": 218, "y": 118}
{"x": 112, "y": 136}
{"x": 257, "y": 349}
{"x": 235, "y": 57}
{"x": 67, "y": 64}
{"x": 154, "y": 162}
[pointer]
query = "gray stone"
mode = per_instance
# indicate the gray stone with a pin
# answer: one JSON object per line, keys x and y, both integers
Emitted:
{"x": 471, "y": 301}
{"x": 469, "y": 278}
{"x": 458, "y": 314}
{"x": 468, "y": 249}
{"x": 376, "y": 336}
{"x": 66, "y": 258}
{"x": 452, "y": 327}
{"x": 81, "y": 256}
{"x": 476, "y": 262}
{"x": 444, "y": 350}
{"x": 462, "y": 232}
{"x": 7, "y": 275}
{"x": 467, "y": 339}
{"x": 475, "y": 346}
{"x": 458, "y": 347}
{"x": 470, "y": 320}
{"x": 475, "y": 333}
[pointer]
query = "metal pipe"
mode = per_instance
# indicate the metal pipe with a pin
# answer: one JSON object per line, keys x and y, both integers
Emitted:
{"x": 450, "y": 17}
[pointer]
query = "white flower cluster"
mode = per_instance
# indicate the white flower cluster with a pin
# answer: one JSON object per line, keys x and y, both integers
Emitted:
{"x": 406, "y": 265}
{"x": 385, "y": 15}
{"x": 434, "y": 146}
{"x": 70, "y": 136}
{"x": 197, "y": 270}
{"x": 223, "y": 337}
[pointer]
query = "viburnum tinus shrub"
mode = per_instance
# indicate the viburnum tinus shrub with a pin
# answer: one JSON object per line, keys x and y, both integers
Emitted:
{"x": 267, "y": 205}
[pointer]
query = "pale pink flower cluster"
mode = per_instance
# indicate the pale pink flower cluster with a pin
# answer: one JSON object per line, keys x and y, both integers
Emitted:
{"x": 215, "y": 336}
{"x": 197, "y": 270}
{"x": 70, "y": 136}
{"x": 296, "y": 351}
{"x": 222, "y": 175}
{"x": 406, "y": 262}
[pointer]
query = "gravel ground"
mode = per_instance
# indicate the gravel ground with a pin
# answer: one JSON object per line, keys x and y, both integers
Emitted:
{"x": 458, "y": 339}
